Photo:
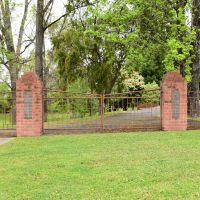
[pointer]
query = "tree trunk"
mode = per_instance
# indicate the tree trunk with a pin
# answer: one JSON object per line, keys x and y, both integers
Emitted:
{"x": 13, "y": 78}
{"x": 45, "y": 79}
{"x": 193, "y": 95}
{"x": 180, "y": 10}
{"x": 39, "y": 39}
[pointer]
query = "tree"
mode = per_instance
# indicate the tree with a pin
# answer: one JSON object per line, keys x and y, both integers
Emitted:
{"x": 95, "y": 45}
{"x": 39, "y": 38}
{"x": 194, "y": 108}
{"x": 179, "y": 42}
{"x": 164, "y": 39}
{"x": 43, "y": 23}
{"x": 11, "y": 54}
{"x": 152, "y": 37}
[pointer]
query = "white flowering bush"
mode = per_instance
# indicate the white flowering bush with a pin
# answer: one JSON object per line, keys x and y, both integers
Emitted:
{"x": 134, "y": 81}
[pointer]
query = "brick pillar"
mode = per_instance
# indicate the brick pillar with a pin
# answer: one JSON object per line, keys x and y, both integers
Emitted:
{"x": 29, "y": 105}
{"x": 173, "y": 102}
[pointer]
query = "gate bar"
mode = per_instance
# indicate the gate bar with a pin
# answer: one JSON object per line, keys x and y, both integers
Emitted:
{"x": 102, "y": 112}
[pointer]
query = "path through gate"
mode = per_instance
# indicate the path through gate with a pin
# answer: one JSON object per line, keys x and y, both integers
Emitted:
{"x": 78, "y": 112}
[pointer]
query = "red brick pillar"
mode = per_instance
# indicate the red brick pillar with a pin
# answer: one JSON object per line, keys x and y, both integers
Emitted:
{"x": 29, "y": 105}
{"x": 173, "y": 102}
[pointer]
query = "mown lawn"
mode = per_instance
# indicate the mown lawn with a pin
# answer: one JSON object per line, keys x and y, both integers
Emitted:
{"x": 159, "y": 165}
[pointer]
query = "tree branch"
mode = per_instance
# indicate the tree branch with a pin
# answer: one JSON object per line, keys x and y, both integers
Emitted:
{"x": 52, "y": 23}
{"x": 64, "y": 15}
{"x": 48, "y": 16}
{"x": 31, "y": 42}
{"x": 21, "y": 30}
{"x": 48, "y": 5}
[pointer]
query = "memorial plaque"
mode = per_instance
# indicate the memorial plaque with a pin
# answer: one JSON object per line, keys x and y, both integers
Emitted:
{"x": 27, "y": 105}
{"x": 175, "y": 104}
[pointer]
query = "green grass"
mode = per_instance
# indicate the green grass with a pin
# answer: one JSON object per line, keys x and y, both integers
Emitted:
{"x": 159, "y": 165}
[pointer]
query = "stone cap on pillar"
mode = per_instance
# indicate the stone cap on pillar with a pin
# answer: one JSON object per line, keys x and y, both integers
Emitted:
{"x": 172, "y": 77}
{"x": 29, "y": 80}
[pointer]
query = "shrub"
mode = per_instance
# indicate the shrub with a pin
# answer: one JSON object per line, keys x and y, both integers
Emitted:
{"x": 134, "y": 81}
{"x": 152, "y": 93}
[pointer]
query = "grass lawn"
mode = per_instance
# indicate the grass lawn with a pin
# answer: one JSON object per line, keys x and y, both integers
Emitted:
{"x": 159, "y": 165}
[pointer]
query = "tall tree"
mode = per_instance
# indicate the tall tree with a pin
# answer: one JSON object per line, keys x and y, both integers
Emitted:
{"x": 39, "y": 38}
{"x": 43, "y": 16}
{"x": 194, "y": 108}
{"x": 44, "y": 22}
{"x": 10, "y": 52}
{"x": 95, "y": 45}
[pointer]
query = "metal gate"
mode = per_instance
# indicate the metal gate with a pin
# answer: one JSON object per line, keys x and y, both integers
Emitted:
{"x": 7, "y": 114}
{"x": 78, "y": 112}
{"x": 193, "y": 117}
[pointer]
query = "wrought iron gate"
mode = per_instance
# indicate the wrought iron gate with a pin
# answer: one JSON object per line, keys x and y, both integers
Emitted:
{"x": 78, "y": 112}
{"x": 193, "y": 110}
{"x": 7, "y": 114}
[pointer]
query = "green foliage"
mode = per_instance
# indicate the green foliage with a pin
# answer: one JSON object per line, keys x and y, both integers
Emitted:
{"x": 68, "y": 55}
{"x": 4, "y": 87}
{"x": 152, "y": 93}
{"x": 151, "y": 86}
{"x": 179, "y": 43}
{"x": 147, "y": 52}
{"x": 73, "y": 107}
{"x": 95, "y": 47}
{"x": 151, "y": 37}
{"x": 80, "y": 86}
{"x": 5, "y": 96}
